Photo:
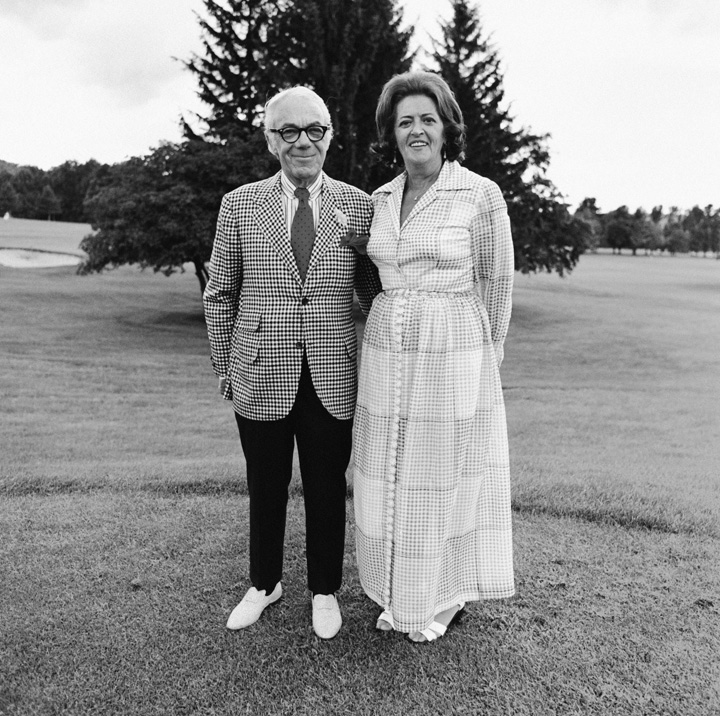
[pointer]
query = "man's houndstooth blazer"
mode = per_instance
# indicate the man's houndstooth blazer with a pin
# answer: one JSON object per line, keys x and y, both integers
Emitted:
{"x": 261, "y": 317}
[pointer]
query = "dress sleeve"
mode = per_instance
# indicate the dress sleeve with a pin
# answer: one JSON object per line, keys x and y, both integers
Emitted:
{"x": 222, "y": 292}
{"x": 493, "y": 261}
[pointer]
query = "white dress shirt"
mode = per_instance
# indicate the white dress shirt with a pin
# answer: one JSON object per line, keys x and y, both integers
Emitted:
{"x": 291, "y": 202}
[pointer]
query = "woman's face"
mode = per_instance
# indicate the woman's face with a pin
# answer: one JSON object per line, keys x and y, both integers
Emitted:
{"x": 419, "y": 131}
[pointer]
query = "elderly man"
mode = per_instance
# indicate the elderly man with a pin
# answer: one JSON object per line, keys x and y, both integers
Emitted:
{"x": 278, "y": 307}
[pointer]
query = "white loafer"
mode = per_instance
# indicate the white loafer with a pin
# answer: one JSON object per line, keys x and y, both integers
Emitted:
{"x": 326, "y": 617}
{"x": 252, "y": 606}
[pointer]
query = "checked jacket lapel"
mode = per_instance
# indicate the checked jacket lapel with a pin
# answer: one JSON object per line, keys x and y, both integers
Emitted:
{"x": 271, "y": 221}
{"x": 327, "y": 230}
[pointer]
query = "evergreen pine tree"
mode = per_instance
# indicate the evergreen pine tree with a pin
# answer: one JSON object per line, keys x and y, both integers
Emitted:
{"x": 343, "y": 49}
{"x": 546, "y": 237}
{"x": 346, "y": 50}
{"x": 241, "y": 66}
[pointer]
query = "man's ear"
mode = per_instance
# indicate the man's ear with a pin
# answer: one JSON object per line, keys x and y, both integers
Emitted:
{"x": 270, "y": 143}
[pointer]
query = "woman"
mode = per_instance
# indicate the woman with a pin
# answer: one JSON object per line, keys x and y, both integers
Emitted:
{"x": 432, "y": 481}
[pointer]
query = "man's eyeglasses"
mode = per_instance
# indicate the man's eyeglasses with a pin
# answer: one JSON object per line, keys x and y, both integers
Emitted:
{"x": 315, "y": 132}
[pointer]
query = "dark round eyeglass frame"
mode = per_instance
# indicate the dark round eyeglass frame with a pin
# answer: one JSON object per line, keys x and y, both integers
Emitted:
{"x": 315, "y": 133}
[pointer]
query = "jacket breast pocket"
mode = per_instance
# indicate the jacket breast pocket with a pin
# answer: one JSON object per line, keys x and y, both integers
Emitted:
{"x": 247, "y": 336}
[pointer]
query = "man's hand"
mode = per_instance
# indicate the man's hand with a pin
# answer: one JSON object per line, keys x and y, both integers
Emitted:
{"x": 222, "y": 384}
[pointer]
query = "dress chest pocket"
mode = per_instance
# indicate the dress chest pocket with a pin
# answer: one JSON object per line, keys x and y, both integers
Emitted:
{"x": 453, "y": 245}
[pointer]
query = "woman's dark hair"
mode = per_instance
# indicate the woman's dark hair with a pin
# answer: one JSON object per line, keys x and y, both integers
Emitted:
{"x": 418, "y": 83}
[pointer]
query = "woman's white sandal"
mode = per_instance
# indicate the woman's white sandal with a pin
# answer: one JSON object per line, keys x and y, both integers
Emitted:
{"x": 436, "y": 629}
{"x": 385, "y": 622}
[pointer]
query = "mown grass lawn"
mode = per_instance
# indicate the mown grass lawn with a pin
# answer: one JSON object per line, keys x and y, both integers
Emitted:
{"x": 123, "y": 514}
{"x": 62, "y": 236}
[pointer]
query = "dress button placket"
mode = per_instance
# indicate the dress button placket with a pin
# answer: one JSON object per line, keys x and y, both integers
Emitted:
{"x": 399, "y": 314}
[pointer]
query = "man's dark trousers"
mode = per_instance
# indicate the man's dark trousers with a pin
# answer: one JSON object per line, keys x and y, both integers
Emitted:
{"x": 324, "y": 445}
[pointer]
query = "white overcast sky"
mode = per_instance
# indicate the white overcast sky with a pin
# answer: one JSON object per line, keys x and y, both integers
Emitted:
{"x": 628, "y": 89}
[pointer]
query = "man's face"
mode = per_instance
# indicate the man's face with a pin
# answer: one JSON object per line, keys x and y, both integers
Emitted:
{"x": 302, "y": 160}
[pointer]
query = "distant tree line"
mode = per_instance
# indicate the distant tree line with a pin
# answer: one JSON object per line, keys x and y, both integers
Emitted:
{"x": 27, "y": 192}
{"x": 677, "y": 232}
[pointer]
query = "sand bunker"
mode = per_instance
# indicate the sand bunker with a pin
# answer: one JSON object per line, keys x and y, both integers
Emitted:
{"x": 27, "y": 258}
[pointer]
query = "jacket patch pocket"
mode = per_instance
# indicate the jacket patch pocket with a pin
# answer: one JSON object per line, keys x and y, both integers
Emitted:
{"x": 350, "y": 341}
{"x": 248, "y": 336}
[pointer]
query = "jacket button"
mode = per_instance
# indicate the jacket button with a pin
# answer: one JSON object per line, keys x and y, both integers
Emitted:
{"x": 299, "y": 344}
{"x": 305, "y": 301}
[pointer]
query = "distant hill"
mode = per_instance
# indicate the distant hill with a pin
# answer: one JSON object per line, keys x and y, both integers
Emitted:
{"x": 9, "y": 167}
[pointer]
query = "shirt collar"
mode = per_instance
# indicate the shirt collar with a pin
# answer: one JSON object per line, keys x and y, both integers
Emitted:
{"x": 289, "y": 187}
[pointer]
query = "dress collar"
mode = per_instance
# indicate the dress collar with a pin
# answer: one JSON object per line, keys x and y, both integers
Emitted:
{"x": 452, "y": 176}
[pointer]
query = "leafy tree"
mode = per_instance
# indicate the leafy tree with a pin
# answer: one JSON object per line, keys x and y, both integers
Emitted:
{"x": 619, "y": 229}
{"x": 659, "y": 221}
{"x": 28, "y": 182}
{"x": 9, "y": 199}
{"x": 647, "y": 234}
{"x": 48, "y": 203}
{"x": 546, "y": 236}
{"x": 70, "y": 181}
{"x": 677, "y": 239}
{"x": 8, "y": 167}
{"x": 703, "y": 229}
{"x": 656, "y": 215}
{"x": 160, "y": 210}
{"x": 712, "y": 224}
{"x": 588, "y": 213}
{"x": 692, "y": 223}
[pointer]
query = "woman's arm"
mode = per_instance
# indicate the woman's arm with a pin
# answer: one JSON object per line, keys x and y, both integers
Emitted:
{"x": 493, "y": 259}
